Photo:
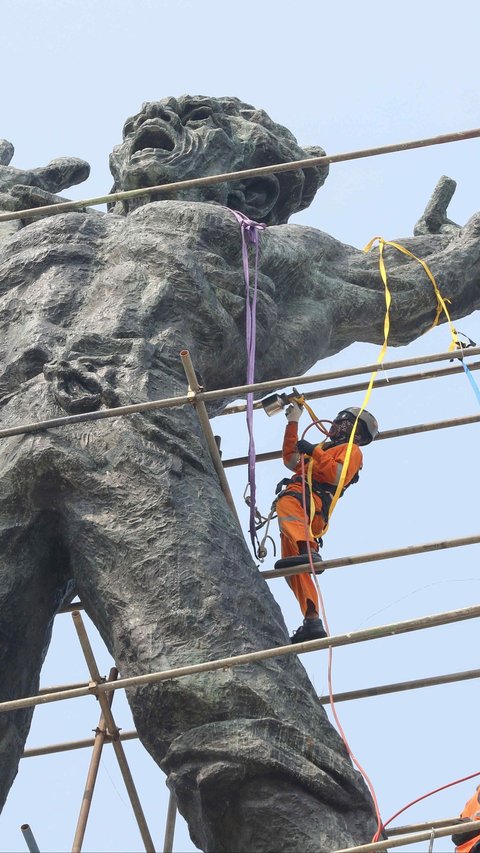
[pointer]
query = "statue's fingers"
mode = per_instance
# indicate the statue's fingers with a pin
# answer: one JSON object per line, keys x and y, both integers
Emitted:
{"x": 61, "y": 173}
{"x": 6, "y": 152}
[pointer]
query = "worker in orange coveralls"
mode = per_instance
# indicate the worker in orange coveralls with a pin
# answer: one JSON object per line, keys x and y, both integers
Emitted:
{"x": 328, "y": 458}
{"x": 469, "y": 843}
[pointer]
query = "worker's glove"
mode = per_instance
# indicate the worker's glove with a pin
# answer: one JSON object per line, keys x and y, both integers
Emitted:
{"x": 294, "y": 412}
{"x": 305, "y": 447}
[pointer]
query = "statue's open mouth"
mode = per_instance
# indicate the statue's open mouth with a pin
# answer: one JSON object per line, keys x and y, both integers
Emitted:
{"x": 151, "y": 139}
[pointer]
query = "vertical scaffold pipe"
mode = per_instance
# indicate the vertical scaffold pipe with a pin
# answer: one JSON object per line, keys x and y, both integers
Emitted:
{"x": 29, "y": 838}
{"x": 98, "y": 743}
{"x": 202, "y": 413}
{"x": 114, "y": 734}
{"x": 170, "y": 824}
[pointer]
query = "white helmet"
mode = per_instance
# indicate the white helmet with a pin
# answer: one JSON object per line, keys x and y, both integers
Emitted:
{"x": 368, "y": 422}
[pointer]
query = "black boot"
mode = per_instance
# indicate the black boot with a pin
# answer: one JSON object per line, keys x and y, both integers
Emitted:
{"x": 312, "y": 629}
{"x": 299, "y": 560}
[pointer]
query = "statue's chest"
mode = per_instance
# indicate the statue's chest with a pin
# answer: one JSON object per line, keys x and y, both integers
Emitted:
{"x": 74, "y": 285}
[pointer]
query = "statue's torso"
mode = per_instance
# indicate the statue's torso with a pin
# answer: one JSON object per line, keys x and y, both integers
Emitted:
{"x": 120, "y": 297}
{"x": 117, "y": 296}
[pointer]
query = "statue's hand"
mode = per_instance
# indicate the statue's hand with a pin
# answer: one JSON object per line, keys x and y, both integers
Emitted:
{"x": 24, "y": 188}
{"x": 434, "y": 219}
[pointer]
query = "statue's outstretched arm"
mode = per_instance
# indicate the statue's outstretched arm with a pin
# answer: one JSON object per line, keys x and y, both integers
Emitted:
{"x": 330, "y": 295}
{"x": 25, "y": 188}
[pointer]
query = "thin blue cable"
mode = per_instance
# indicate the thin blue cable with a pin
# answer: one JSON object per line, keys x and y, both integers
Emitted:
{"x": 468, "y": 373}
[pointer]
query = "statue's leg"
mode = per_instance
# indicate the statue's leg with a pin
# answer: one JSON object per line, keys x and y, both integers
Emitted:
{"x": 32, "y": 565}
{"x": 164, "y": 572}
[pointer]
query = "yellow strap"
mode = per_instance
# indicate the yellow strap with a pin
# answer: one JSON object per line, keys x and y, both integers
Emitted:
{"x": 441, "y": 306}
{"x": 346, "y": 461}
{"x": 380, "y": 358}
{"x": 441, "y": 302}
{"x": 302, "y": 402}
{"x": 310, "y": 488}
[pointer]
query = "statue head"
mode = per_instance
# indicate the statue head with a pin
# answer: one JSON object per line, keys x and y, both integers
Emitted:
{"x": 191, "y": 136}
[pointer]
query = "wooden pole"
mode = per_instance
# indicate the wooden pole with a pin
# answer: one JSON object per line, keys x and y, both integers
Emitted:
{"x": 170, "y": 824}
{"x": 68, "y": 745}
{"x": 412, "y": 838}
{"x": 399, "y": 686}
{"x": 226, "y": 393}
{"x": 400, "y": 432}
{"x": 363, "y": 693}
{"x": 355, "y": 387}
{"x": 208, "y": 180}
{"x": 113, "y": 731}
{"x": 376, "y": 633}
{"x": 373, "y": 556}
{"x": 92, "y": 774}
{"x": 339, "y": 562}
{"x": 392, "y": 831}
{"x": 201, "y": 409}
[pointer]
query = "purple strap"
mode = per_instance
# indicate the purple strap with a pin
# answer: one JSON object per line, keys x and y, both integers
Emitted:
{"x": 250, "y": 237}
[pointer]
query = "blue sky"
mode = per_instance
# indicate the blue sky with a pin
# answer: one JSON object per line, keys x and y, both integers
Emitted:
{"x": 344, "y": 77}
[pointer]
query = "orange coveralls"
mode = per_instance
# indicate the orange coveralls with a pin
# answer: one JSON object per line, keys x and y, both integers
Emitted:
{"x": 466, "y": 844}
{"x": 292, "y": 519}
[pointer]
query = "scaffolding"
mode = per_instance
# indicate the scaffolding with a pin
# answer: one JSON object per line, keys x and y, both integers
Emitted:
{"x": 103, "y": 689}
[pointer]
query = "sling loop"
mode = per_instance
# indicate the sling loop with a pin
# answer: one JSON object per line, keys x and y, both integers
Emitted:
{"x": 250, "y": 237}
{"x": 441, "y": 302}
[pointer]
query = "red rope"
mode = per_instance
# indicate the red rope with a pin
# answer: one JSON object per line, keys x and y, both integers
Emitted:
{"x": 423, "y": 797}
{"x": 380, "y": 825}
{"x": 330, "y": 650}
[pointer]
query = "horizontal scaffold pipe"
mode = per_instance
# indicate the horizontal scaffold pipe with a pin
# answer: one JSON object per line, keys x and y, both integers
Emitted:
{"x": 338, "y": 562}
{"x": 374, "y": 556}
{"x": 365, "y": 693}
{"x": 224, "y": 393}
{"x": 68, "y": 745}
{"x": 63, "y": 686}
{"x": 426, "y": 824}
{"x": 388, "y": 382}
{"x": 70, "y": 608}
{"x": 400, "y": 432}
{"x": 208, "y": 180}
{"x": 350, "y": 638}
{"x": 400, "y": 686}
{"x": 412, "y": 838}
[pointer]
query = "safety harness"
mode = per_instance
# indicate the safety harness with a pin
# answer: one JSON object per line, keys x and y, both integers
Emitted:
{"x": 325, "y": 492}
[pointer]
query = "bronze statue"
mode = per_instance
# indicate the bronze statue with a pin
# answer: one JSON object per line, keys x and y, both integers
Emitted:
{"x": 94, "y": 310}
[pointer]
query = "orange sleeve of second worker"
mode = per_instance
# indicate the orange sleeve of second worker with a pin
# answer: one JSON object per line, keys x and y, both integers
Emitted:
{"x": 290, "y": 442}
